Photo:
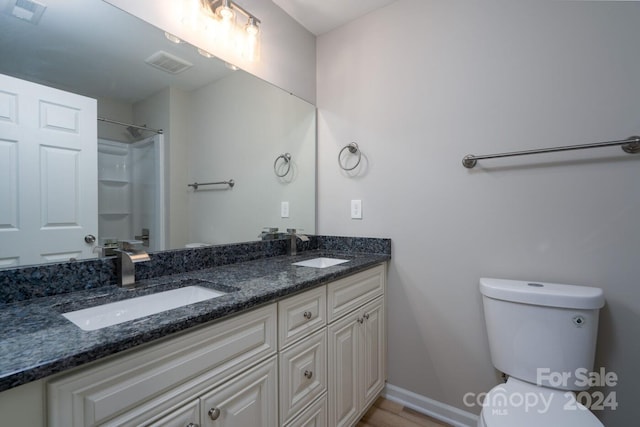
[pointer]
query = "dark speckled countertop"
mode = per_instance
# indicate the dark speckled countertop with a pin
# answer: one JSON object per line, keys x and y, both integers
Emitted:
{"x": 37, "y": 341}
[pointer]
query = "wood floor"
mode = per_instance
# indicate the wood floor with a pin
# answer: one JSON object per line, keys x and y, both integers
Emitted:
{"x": 385, "y": 413}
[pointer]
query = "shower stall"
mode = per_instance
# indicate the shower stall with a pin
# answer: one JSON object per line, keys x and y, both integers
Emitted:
{"x": 131, "y": 189}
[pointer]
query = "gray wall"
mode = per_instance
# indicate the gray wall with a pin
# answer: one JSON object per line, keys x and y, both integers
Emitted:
{"x": 421, "y": 83}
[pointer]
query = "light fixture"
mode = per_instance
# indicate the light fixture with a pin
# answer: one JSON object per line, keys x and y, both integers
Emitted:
{"x": 225, "y": 10}
{"x": 229, "y": 26}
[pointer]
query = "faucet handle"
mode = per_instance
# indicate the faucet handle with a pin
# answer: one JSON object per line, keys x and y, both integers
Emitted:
{"x": 130, "y": 245}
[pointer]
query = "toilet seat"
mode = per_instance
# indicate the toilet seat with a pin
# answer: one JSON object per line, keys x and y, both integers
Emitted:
{"x": 514, "y": 404}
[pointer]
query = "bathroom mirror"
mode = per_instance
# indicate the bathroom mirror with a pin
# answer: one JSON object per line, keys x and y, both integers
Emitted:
{"x": 218, "y": 124}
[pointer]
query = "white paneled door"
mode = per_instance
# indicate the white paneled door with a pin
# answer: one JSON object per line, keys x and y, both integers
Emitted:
{"x": 48, "y": 173}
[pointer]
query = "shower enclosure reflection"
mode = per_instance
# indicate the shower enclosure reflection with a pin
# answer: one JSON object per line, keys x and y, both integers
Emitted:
{"x": 130, "y": 192}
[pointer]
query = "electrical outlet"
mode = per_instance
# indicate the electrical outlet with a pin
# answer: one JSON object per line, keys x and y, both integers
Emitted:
{"x": 356, "y": 209}
{"x": 284, "y": 210}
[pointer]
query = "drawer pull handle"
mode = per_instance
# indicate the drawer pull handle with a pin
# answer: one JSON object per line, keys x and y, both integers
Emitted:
{"x": 214, "y": 413}
{"x": 192, "y": 425}
{"x": 366, "y": 316}
{"x": 308, "y": 374}
{"x": 307, "y": 315}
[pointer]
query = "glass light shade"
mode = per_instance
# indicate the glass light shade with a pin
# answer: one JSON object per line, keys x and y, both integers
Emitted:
{"x": 225, "y": 12}
{"x": 252, "y": 27}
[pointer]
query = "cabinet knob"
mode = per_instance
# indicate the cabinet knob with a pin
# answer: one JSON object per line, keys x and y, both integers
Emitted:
{"x": 307, "y": 315}
{"x": 214, "y": 413}
{"x": 366, "y": 316}
{"x": 360, "y": 320}
{"x": 308, "y": 374}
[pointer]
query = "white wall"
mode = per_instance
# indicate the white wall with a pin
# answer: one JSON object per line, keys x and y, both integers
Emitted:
{"x": 421, "y": 83}
{"x": 222, "y": 146}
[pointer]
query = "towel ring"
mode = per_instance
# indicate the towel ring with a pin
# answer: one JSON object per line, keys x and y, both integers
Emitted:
{"x": 287, "y": 159}
{"x": 353, "y": 149}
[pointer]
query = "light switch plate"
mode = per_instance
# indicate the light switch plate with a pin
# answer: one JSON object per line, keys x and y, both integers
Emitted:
{"x": 284, "y": 210}
{"x": 356, "y": 209}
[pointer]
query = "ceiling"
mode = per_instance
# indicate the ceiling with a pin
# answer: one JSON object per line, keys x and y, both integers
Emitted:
{"x": 321, "y": 16}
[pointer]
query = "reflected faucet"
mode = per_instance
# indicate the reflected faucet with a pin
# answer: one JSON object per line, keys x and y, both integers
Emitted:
{"x": 293, "y": 240}
{"x": 269, "y": 233}
{"x": 129, "y": 253}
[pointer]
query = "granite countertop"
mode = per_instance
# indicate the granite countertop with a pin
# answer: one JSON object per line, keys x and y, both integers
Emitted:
{"x": 37, "y": 341}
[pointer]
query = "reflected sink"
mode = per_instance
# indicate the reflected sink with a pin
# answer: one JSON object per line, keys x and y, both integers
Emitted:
{"x": 101, "y": 316}
{"x": 321, "y": 262}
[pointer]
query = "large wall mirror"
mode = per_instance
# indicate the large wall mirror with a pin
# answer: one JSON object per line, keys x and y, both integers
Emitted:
{"x": 218, "y": 124}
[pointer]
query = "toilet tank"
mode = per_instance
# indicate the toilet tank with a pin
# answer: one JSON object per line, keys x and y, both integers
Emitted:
{"x": 542, "y": 333}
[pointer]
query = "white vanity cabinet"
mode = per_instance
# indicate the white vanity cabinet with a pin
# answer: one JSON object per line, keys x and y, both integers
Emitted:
{"x": 315, "y": 359}
{"x": 356, "y": 344}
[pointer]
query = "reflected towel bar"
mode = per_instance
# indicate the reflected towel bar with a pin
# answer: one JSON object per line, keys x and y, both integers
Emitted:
{"x": 195, "y": 185}
{"x": 630, "y": 145}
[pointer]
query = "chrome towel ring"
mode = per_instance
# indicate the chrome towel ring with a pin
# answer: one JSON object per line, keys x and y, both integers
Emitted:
{"x": 353, "y": 149}
{"x": 286, "y": 157}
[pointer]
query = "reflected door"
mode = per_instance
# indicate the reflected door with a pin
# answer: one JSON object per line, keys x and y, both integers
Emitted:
{"x": 48, "y": 190}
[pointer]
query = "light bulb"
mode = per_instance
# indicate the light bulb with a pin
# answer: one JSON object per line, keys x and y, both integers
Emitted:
{"x": 205, "y": 53}
{"x": 225, "y": 12}
{"x": 251, "y": 44}
{"x": 252, "y": 27}
{"x": 172, "y": 38}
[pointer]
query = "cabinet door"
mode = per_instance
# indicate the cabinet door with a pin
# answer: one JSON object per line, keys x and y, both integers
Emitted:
{"x": 343, "y": 371}
{"x": 185, "y": 416}
{"x": 248, "y": 400}
{"x": 303, "y": 374}
{"x": 372, "y": 351}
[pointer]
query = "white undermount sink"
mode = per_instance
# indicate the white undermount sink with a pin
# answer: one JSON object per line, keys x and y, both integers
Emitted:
{"x": 321, "y": 262}
{"x": 101, "y": 316}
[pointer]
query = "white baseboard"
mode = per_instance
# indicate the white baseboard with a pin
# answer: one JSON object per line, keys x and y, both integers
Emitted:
{"x": 438, "y": 410}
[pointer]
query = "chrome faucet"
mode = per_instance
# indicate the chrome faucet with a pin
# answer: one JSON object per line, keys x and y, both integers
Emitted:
{"x": 293, "y": 240}
{"x": 129, "y": 253}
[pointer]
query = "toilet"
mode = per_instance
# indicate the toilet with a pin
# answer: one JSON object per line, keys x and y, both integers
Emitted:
{"x": 543, "y": 336}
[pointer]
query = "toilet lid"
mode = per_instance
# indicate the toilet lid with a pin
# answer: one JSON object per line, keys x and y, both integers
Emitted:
{"x": 518, "y": 403}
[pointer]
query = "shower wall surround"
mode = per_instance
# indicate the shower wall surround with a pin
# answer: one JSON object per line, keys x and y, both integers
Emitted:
{"x": 24, "y": 283}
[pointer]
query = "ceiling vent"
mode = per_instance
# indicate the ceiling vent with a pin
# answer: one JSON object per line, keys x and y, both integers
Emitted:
{"x": 168, "y": 63}
{"x": 27, "y": 10}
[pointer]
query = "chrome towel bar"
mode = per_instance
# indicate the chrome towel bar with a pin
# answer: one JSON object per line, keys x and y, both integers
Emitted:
{"x": 630, "y": 145}
{"x": 195, "y": 185}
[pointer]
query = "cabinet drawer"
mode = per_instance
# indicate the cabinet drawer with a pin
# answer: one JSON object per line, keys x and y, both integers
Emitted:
{"x": 347, "y": 294}
{"x": 136, "y": 387}
{"x": 314, "y": 416}
{"x": 303, "y": 374}
{"x": 300, "y": 315}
